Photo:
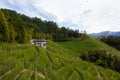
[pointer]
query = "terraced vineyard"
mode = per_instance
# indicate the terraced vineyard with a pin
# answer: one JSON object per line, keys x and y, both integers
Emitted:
{"x": 27, "y": 62}
{"x": 83, "y": 46}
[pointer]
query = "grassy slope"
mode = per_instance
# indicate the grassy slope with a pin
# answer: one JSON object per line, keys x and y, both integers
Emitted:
{"x": 54, "y": 63}
{"x": 82, "y": 46}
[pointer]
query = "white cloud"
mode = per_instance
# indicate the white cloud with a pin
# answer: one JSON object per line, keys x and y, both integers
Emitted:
{"x": 89, "y": 15}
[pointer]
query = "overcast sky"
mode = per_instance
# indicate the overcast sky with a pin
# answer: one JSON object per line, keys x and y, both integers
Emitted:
{"x": 90, "y": 15}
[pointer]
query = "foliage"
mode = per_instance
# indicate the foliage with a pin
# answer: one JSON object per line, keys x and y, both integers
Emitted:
{"x": 21, "y": 28}
{"x": 102, "y": 58}
{"x": 55, "y": 63}
{"x": 4, "y": 29}
{"x": 58, "y": 61}
{"x": 85, "y": 45}
{"x": 113, "y": 41}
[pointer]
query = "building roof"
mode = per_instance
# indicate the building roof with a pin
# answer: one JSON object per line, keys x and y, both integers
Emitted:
{"x": 39, "y": 40}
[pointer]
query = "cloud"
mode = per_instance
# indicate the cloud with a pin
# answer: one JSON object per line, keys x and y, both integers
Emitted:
{"x": 28, "y": 8}
{"x": 89, "y": 15}
{"x": 68, "y": 23}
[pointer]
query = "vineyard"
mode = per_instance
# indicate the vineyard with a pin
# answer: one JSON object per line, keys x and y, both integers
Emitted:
{"x": 27, "y": 62}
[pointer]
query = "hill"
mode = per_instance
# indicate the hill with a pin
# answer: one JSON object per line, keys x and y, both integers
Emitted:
{"x": 95, "y": 51}
{"x": 105, "y": 33}
{"x": 83, "y": 46}
{"x": 16, "y": 27}
{"x": 113, "y": 41}
{"x": 59, "y": 61}
{"x": 25, "y": 61}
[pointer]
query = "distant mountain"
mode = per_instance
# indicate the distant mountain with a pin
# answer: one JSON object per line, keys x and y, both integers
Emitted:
{"x": 105, "y": 33}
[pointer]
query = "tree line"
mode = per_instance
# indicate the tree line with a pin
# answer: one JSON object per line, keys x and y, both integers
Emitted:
{"x": 113, "y": 41}
{"x": 102, "y": 58}
{"x": 16, "y": 27}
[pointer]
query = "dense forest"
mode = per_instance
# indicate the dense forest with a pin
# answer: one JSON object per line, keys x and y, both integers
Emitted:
{"x": 113, "y": 41}
{"x": 102, "y": 58}
{"x": 15, "y": 27}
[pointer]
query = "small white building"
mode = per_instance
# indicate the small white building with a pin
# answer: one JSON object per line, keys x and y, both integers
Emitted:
{"x": 39, "y": 42}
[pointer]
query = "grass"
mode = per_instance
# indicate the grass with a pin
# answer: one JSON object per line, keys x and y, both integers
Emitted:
{"x": 83, "y": 46}
{"x": 55, "y": 62}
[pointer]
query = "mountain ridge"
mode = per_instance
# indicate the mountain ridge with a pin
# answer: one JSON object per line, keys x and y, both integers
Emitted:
{"x": 105, "y": 33}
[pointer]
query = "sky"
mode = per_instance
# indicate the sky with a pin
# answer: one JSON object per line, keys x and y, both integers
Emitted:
{"x": 90, "y": 15}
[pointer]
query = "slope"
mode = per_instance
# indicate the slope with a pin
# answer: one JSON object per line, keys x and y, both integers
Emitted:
{"x": 27, "y": 62}
{"x": 83, "y": 46}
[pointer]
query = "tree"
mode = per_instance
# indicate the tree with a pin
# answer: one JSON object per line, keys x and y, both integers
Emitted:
{"x": 4, "y": 29}
{"x": 11, "y": 34}
{"x": 21, "y": 28}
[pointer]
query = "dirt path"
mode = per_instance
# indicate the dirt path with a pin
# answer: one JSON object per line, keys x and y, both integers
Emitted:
{"x": 30, "y": 75}
{"x": 40, "y": 75}
{"x": 18, "y": 75}
{"x": 37, "y": 55}
{"x": 98, "y": 73}
{"x": 36, "y": 62}
{"x": 7, "y": 73}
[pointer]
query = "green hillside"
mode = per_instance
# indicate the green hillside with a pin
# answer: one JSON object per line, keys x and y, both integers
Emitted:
{"x": 59, "y": 61}
{"x": 83, "y": 46}
{"x": 16, "y": 27}
{"x": 27, "y": 62}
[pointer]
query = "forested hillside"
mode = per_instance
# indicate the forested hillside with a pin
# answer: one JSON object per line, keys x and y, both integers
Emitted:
{"x": 93, "y": 50}
{"x": 113, "y": 41}
{"x": 74, "y": 55}
{"x": 15, "y": 27}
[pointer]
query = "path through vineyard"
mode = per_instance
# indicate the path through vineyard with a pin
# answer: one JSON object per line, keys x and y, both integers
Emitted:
{"x": 23, "y": 72}
{"x": 7, "y": 73}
